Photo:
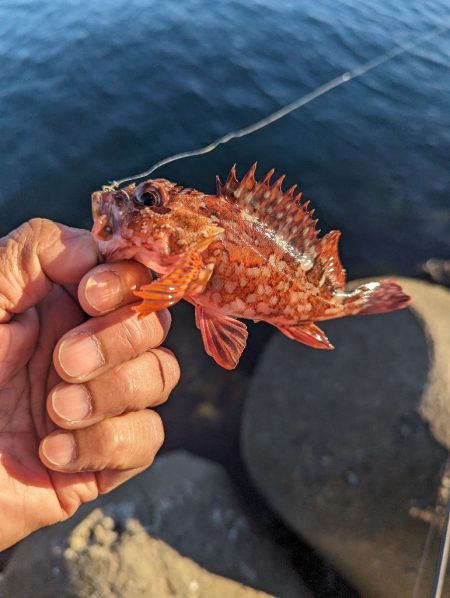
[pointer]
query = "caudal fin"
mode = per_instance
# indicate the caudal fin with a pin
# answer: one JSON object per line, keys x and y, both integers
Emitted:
{"x": 377, "y": 298}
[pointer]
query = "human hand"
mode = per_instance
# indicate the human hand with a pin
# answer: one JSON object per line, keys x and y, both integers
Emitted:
{"x": 73, "y": 391}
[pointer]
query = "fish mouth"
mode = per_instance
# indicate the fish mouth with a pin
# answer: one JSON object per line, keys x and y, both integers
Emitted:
{"x": 106, "y": 220}
{"x": 102, "y": 228}
{"x": 105, "y": 229}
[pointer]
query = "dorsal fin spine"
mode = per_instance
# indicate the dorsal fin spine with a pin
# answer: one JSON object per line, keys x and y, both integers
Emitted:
{"x": 232, "y": 181}
{"x": 291, "y": 190}
{"x": 284, "y": 212}
{"x": 267, "y": 177}
{"x": 219, "y": 185}
{"x": 279, "y": 182}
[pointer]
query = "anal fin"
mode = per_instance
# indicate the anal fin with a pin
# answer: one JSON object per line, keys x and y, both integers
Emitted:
{"x": 224, "y": 337}
{"x": 308, "y": 334}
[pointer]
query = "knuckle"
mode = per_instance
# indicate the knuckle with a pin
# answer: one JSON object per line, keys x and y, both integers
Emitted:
{"x": 141, "y": 334}
{"x": 156, "y": 328}
{"x": 170, "y": 369}
{"x": 164, "y": 366}
{"x": 110, "y": 437}
{"x": 157, "y": 430}
{"x": 17, "y": 264}
{"x": 125, "y": 384}
{"x": 36, "y": 225}
{"x": 132, "y": 336}
{"x": 42, "y": 228}
{"x": 173, "y": 367}
{"x": 164, "y": 318}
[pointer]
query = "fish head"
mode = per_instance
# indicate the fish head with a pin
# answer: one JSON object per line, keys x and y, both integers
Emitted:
{"x": 154, "y": 223}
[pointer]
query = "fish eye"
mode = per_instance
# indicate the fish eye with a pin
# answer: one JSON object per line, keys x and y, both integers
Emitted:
{"x": 148, "y": 196}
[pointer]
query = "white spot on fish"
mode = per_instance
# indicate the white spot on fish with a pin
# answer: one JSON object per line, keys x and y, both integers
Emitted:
{"x": 237, "y": 305}
{"x": 273, "y": 300}
{"x": 230, "y": 286}
{"x": 263, "y": 308}
{"x": 253, "y": 272}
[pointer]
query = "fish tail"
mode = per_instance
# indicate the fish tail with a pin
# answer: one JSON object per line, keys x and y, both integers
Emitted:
{"x": 376, "y": 298}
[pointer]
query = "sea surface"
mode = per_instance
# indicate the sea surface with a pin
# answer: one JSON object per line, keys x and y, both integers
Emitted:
{"x": 95, "y": 91}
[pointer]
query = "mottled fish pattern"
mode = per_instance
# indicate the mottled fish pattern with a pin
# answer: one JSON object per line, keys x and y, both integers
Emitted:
{"x": 251, "y": 251}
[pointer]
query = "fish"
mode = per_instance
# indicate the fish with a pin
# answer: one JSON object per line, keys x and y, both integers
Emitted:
{"x": 251, "y": 251}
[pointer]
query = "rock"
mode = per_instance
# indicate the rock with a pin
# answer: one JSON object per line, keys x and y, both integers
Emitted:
{"x": 438, "y": 270}
{"x": 335, "y": 442}
{"x": 130, "y": 542}
{"x": 100, "y": 561}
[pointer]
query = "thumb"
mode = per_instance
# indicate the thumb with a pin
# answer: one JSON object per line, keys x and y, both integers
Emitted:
{"x": 37, "y": 254}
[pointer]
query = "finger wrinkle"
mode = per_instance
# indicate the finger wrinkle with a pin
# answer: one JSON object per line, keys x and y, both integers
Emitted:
{"x": 20, "y": 272}
{"x": 140, "y": 334}
{"x": 125, "y": 384}
{"x": 132, "y": 336}
{"x": 120, "y": 441}
{"x": 161, "y": 371}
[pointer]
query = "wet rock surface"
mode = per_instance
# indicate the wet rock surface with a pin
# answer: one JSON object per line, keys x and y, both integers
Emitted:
{"x": 134, "y": 542}
{"x": 335, "y": 442}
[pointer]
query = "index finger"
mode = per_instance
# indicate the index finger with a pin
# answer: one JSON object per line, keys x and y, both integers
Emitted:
{"x": 111, "y": 285}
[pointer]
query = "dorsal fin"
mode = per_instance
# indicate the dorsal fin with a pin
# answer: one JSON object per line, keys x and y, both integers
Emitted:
{"x": 329, "y": 256}
{"x": 278, "y": 210}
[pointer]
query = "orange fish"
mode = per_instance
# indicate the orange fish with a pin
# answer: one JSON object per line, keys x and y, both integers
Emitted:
{"x": 251, "y": 251}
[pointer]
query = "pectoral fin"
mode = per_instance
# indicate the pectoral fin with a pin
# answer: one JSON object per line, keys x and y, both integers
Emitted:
{"x": 168, "y": 290}
{"x": 224, "y": 337}
{"x": 308, "y": 334}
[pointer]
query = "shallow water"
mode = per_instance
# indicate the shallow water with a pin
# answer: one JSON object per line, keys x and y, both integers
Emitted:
{"x": 95, "y": 91}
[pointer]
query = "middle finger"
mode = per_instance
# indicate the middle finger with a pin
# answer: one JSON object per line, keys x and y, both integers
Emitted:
{"x": 102, "y": 343}
{"x": 143, "y": 382}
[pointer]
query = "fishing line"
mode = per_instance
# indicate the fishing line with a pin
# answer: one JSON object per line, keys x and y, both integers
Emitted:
{"x": 287, "y": 109}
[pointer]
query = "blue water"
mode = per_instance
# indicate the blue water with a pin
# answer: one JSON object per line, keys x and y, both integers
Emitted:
{"x": 93, "y": 91}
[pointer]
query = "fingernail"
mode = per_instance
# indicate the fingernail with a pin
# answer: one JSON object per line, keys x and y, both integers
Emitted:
{"x": 72, "y": 402}
{"x": 60, "y": 448}
{"x": 104, "y": 290}
{"x": 80, "y": 355}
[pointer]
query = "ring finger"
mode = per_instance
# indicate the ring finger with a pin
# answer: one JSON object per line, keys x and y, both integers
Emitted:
{"x": 143, "y": 382}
